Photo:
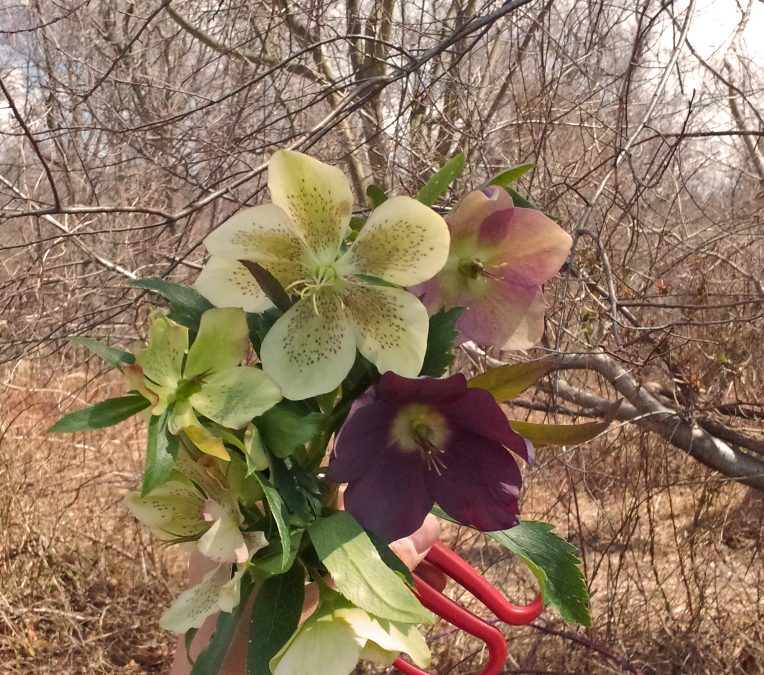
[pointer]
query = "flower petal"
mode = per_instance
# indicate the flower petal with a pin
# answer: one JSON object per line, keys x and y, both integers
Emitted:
{"x": 221, "y": 343}
{"x": 171, "y": 511}
{"x": 532, "y": 249}
{"x": 399, "y": 391}
{"x": 192, "y": 607}
{"x": 223, "y": 542}
{"x": 479, "y": 484}
{"x": 391, "y": 498}
{"x": 506, "y": 316}
{"x": 227, "y": 283}
{"x": 233, "y": 397}
{"x": 162, "y": 360}
{"x": 475, "y": 207}
{"x": 390, "y": 326}
{"x": 403, "y": 242}
{"x": 206, "y": 442}
{"x": 316, "y": 197}
{"x": 311, "y": 348}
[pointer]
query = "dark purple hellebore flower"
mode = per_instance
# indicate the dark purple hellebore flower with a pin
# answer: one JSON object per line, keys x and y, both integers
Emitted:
{"x": 408, "y": 443}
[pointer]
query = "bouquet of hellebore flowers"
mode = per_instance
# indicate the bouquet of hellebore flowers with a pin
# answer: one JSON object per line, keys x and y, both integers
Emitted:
{"x": 313, "y": 353}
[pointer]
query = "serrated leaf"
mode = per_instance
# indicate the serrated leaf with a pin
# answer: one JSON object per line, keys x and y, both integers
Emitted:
{"x": 210, "y": 661}
{"x": 441, "y": 180}
{"x": 359, "y": 572}
{"x": 186, "y": 304}
{"x": 556, "y": 566}
{"x": 507, "y": 382}
{"x": 275, "y": 617}
{"x": 114, "y": 357}
{"x": 509, "y": 176}
{"x": 283, "y": 430}
{"x": 376, "y": 195}
{"x": 440, "y": 341}
{"x": 563, "y": 434}
{"x": 104, "y": 414}
{"x": 161, "y": 451}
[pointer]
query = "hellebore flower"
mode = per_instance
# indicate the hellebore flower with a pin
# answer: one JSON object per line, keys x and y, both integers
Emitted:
{"x": 299, "y": 238}
{"x": 408, "y": 443}
{"x": 338, "y": 634}
{"x": 211, "y": 381}
{"x": 500, "y": 255}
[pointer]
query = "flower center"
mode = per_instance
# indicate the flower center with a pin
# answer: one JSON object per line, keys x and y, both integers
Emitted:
{"x": 421, "y": 428}
{"x": 323, "y": 276}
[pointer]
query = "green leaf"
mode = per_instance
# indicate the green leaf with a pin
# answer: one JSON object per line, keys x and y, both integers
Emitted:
{"x": 161, "y": 451}
{"x": 270, "y": 285}
{"x": 186, "y": 305}
{"x": 279, "y": 514}
{"x": 210, "y": 661}
{"x": 359, "y": 572}
{"x": 275, "y": 617}
{"x": 440, "y": 341}
{"x": 298, "y": 490}
{"x": 283, "y": 430}
{"x": 506, "y": 178}
{"x": 101, "y": 415}
{"x": 114, "y": 357}
{"x": 507, "y": 382}
{"x": 441, "y": 180}
{"x": 260, "y": 324}
{"x": 392, "y": 560}
{"x": 555, "y": 564}
{"x": 376, "y": 195}
{"x": 268, "y": 561}
{"x": 563, "y": 434}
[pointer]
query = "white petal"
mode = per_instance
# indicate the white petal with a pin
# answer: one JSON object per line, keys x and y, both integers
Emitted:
{"x": 171, "y": 511}
{"x": 227, "y": 283}
{"x": 403, "y": 241}
{"x": 192, "y": 607}
{"x": 230, "y": 593}
{"x": 223, "y": 542}
{"x": 317, "y": 198}
{"x": 310, "y": 349}
{"x": 391, "y": 327}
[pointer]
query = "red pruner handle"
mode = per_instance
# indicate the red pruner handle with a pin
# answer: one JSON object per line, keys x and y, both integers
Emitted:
{"x": 455, "y": 567}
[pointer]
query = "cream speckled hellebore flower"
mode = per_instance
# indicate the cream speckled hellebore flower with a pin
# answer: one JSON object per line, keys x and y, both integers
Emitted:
{"x": 209, "y": 380}
{"x": 299, "y": 238}
{"x": 500, "y": 256}
{"x": 338, "y": 634}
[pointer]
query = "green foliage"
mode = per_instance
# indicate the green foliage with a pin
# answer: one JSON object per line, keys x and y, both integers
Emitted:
{"x": 114, "y": 357}
{"x": 260, "y": 324}
{"x": 210, "y": 661}
{"x": 161, "y": 451}
{"x": 275, "y": 617}
{"x": 440, "y": 341}
{"x": 101, "y": 415}
{"x": 441, "y": 180}
{"x": 359, "y": 572}
{"x": 283, "y": 430}
{"x": 563, "y": 434}
{"x": 555, "y": 564}
{"x": 376, "y": 195}
{"x": 298, "y": 489}
{"x": 279, "y": 514}
{"x": 506, "y": 178}
{"x": 507, "y": 382}
{"x": 186, "y": 305}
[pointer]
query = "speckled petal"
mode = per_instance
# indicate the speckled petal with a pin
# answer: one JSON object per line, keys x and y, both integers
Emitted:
{"x": 192, "y": 607}
{"x": 317, "y": 198}
{"x": 171, "y": 511}
{"x": 163, "y": 358}
{"x": 232, "y": 398}
{"x": 220, "y": 344}
{"x": 390, "y": 325}
{"x": 311, "y": 348}
{"x": 403, "y": 242}
{"x": 227, "y": 283}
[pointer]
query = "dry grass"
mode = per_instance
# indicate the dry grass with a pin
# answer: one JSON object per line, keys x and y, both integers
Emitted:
{"x": 672, "y": 554}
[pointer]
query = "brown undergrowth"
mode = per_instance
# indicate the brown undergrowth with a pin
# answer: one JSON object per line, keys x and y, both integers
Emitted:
{"x": 673, "y": 554}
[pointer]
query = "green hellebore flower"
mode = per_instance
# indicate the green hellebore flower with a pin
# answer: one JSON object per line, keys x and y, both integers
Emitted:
{"x": 206, "y": 379}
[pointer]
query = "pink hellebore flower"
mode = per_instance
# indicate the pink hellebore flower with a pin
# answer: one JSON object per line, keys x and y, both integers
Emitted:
{"x": 499, "y": 257}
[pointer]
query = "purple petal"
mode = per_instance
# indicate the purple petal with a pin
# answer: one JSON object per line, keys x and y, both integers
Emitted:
{"x": 362, "y": 438}
{"x": 479, "y": 485}
{"x": 494, "y": 227}
{"x": 478, "y": 413}
{"x": 391, "y": 499}
{"x": 399, "y": 391}
{"x": 474, "y": 208}
{"x": 429, "y": 293}
{"x": 506, "y": 317}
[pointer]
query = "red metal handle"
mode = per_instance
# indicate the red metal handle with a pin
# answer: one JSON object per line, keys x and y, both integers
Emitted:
{"x": 455, "y": 567}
